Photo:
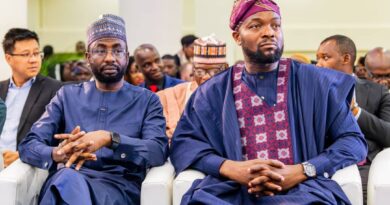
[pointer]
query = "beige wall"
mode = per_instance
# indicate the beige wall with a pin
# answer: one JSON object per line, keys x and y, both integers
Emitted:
{"x": 157, "y": 22}
{"x": 305, "y": 22}
{"x": 62, "y": 23}
{"x": 12, "y": 14}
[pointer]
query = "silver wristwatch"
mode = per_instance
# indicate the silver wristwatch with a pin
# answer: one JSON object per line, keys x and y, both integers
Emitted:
{"x": 309, "y": 169}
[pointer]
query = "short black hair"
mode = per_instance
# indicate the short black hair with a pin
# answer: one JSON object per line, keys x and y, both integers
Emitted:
{"x": 168, "y": 56}
{"x": 17, "y": 34}
{"x": 188, "y": 40}
{"x": 345, "y": 45}
{"x": 48, "y": 50}
{"x": 145, "y": 46}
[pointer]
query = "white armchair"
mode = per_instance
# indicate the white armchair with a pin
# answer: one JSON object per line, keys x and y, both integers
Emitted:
{"x": 21, "y": 183}
{"x": 348, "y": 178}
{"x": 378, "y": 187}
{"x": 157, "y": 186}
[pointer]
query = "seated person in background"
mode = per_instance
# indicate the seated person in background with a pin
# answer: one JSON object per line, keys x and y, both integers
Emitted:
{"x": 81, "y": 72}
{"x": 66, "y": 71}
{"x": 170, "y": 66}
{"x": 271, "y": 131}
{"x": 378, "y": 64}
{"x": 209, "y": 59}
{"x": 26, "y": 93}
{"x": 187, "y": 72}
{"x": 132, "y": 74}
{"x": 360, "y": 69}
{"x": 148, "y": 60}
{"x": 186, "y": 53}
{"x": 116, "y": 130}
{"x": 370, "y": 103}
{"x": 3, "y": 112}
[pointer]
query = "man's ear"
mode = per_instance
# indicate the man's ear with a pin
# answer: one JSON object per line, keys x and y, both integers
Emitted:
{"x": 347, "y": 59}
{"x": 237, "y": 37}
{"x": 8, "y": 58}
{"x": 87, "y": 56}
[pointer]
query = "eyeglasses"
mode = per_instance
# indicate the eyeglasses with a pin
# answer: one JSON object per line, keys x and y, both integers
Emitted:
{"x": 28, "y": 55}
{"x": 102, "y": 53}
{"x": 200, "y": 72}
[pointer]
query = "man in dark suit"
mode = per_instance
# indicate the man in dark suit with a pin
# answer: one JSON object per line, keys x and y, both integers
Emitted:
{"x": 148, "y": 60}
{"x": 377, "y": 63}
{"x": 371, "y": 101}
{"x": 26, "y": 93}
{"x": 3, "y": 112}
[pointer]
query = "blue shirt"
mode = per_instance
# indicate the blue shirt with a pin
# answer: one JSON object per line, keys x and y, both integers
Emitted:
{"x": 3, "y": 112}
{"x": 15, "y": 100}
{"x": 263, "y": 84}
{"x": 133, "y": 112}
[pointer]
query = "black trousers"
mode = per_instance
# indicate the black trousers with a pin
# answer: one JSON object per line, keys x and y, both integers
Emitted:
{"x": 364, "y": 171}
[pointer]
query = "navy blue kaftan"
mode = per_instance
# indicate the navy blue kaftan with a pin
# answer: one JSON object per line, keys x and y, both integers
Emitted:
{"x": 324, "y": 132}
{"x": 115, "y": 178}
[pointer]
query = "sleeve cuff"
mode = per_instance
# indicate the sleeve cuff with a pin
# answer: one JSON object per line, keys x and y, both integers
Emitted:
{"x": 126, "y": 153}
{"x": 210, "y": 164}
{"x": 47, "y": 160}
{"x": 322, "y": 166}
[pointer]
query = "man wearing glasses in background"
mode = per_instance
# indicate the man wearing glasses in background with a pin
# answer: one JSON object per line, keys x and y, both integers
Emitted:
{"x": 26, "y": 93}
{"x": 116, "y": 129}
{"x": 209, "y": 59}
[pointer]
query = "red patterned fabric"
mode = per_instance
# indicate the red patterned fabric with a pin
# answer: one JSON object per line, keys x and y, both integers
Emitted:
{"x": 242, "y": 9}
{"x": 265, "y": 130}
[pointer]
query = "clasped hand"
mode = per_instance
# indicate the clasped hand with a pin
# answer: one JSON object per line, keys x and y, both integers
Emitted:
{"x": 263, "y": 177}
{"x": 79, "y": 146}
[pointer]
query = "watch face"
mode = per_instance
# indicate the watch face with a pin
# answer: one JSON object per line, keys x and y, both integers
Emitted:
{"x": 310, "y": 170}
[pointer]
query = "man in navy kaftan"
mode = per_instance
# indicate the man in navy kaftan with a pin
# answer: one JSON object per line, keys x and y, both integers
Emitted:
{"x": 270, "y": 131}
{"x": 117, "y": 130}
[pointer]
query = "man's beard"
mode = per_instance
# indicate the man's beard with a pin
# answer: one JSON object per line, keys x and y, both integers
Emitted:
{"x": 259, "y": 58}
{"x": 98, "y": 73}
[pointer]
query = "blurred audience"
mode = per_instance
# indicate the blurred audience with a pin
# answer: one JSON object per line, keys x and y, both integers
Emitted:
{"x": 170, "y": 66}
{"x": 48, "y": 51}
{"x": 80, "y": 48}
{"x": 186, "y": 72}
{"x": 81, "y": 71}
{"x": 148, "y": 60}
{"x": 186, "y": 53}
{"x": 132, "y": 74}
{"x": 377, "y": 62}
{"x": 360, "y": 69}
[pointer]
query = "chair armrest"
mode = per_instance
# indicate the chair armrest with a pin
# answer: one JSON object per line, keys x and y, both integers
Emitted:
{"x": 183, "y": 182}
{"x": 351, "y": 183}
{"x": 157, "y": 186}
{"x": 378, "y": 187}
{"x": 21, "y": 183}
